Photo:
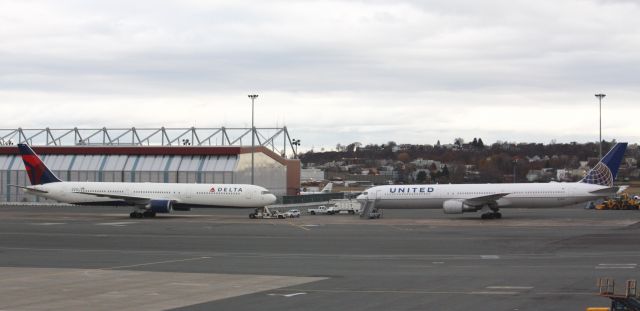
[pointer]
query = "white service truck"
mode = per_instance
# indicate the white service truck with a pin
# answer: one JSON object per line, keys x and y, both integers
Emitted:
{"x": 347, "y": 206}
{"x": 337, "y": 206}
{"x": 322, "y": 209}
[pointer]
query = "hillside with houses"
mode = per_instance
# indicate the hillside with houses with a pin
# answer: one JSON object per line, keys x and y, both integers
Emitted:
{"x": 461, "y": 162}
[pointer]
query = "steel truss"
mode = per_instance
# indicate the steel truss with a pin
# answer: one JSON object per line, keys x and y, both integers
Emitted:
{"x": 276, "y": 139}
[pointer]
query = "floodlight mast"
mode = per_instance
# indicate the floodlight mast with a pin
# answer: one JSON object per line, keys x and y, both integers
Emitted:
{"x": 600, "y": 96}
{"x": 253, "y": 138}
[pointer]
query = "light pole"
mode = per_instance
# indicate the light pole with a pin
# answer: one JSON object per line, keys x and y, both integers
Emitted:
{"x": 296, "y": 143}
{"x": 253, "y": 137}
{"x": 600, "y": 96}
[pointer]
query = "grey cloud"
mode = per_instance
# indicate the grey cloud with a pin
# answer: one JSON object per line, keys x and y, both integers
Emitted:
{"x": 372, "y": 54}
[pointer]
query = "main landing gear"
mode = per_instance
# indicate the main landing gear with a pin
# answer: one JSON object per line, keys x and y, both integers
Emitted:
{"x": 492, "y": 215}
{"x": 143, "y": 214}
{"x": 490, "y": 212}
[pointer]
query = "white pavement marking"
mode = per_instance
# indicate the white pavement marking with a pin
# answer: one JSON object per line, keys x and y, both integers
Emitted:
{"x": 48, "y": 223}
{"x": 287, "y": 295}
{"x": 489, "y": 257}
{"x": 188, "y": 284}
{"x": 298, "y": 226}
{"x": 493, "y": 293}
{"x": 616, "y": 266}
{"x": 509, "y": 287}
{"x": 116, "y": 224}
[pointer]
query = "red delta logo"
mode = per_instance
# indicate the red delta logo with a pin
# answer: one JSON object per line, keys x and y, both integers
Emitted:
{"x": 34, "y": 167}
{"x": 213, "y": 189}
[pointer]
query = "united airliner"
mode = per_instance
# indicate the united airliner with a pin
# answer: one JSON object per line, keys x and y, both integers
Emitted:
{"x": 489, "y": 198}
{"x": 147, "y": 198}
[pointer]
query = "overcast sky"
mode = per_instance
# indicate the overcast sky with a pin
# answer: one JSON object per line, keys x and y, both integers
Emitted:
{"x": 332, "y": 71}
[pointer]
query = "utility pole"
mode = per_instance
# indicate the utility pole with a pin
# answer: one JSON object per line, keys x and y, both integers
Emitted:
{"x": 253, "y": 138}
{"x": 600, "y": 96}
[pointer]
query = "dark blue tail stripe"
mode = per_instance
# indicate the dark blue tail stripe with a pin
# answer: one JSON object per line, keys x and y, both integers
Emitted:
{"x": 605, "y": 172}
{"x": 37, "y": 171}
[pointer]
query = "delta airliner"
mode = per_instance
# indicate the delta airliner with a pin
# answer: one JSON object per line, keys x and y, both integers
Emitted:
{"x": 147, "y": 198}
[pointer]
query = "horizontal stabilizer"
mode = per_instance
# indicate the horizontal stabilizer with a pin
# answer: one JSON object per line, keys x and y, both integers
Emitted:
{"x": 30, "y": 189}
{"x": 623, "y": 188}
{"x": 487, "y": 199}
{"x": 608, "y": 190}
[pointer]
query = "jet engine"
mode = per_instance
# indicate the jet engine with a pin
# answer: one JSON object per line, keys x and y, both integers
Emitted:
{"x": 160, "y": 206}
{"x": 457, "y": 207}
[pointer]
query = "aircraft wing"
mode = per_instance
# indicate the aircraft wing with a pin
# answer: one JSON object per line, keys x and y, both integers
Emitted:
{"x": 30, "y": 189}
{"x": 486, "y": 199}
{"x": 127, "y": 198}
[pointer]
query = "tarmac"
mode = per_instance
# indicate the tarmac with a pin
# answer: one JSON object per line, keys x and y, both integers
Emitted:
{"x": 79, "y": 258}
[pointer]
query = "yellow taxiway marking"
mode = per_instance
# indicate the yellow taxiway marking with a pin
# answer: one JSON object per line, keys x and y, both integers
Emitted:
{"x": 155, "y": 263}
{"x": 298, "y": 226}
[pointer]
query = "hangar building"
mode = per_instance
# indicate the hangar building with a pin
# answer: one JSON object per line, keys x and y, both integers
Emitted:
{"x": 172, "y": 164}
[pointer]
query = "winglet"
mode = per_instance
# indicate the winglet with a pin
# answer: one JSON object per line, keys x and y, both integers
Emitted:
{"x": 38, "y": 172}
{"x": 604, "y": 173}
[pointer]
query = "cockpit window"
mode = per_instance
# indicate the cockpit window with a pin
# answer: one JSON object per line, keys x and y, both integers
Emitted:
{"x": 265, "y": 192}
{"x": 365, "y": 193}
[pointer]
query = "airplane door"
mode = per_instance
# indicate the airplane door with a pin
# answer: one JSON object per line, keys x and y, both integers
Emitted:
{"x": 248, "y": 195}
{"x": 188, "y": 193}
{"x": 563, "y": 196}
{"x": 377, "y": 195}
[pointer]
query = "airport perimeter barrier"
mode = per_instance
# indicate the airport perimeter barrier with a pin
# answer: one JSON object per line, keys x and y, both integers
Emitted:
{"x": 38, "y": 204}
{"x": 309, "y": 198}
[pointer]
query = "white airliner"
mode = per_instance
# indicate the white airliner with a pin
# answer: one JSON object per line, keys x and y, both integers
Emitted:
{"x": 489, "y": 198}
{"x": 147, "y": 198}
{"x": 326, "y": 189}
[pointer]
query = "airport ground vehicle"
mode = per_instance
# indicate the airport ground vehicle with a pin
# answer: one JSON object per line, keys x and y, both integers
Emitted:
{"x": 322, "y": 209}
{"x": 629, "y": 300}
{"x": 350, "y": 207}
{"x": 373, "y": 214}
{"x": 621, "y": 202}
{"x": 265, "y": 212}
{"x": 292, "y": 213}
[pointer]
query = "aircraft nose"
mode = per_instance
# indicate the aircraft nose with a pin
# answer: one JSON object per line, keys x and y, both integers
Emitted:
{"x": 271, "y": 198}
{"x": 361, "y": 198}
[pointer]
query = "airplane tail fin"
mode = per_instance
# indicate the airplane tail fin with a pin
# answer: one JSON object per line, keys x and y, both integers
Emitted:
{"x": 604, "y": 173}
{"x": 327, "y": 188}
{"x": 38, "y": 172}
